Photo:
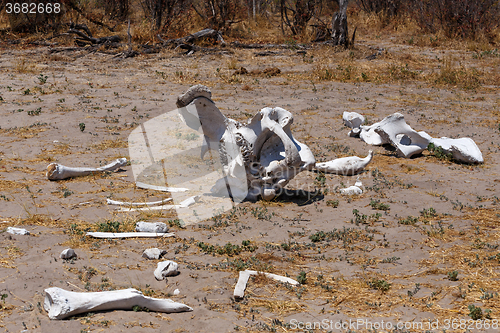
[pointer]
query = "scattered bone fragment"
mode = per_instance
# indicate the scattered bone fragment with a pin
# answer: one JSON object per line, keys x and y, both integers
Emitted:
{"x": 160, "y": 188}
{"x": 126, "y": 203}
{"x": 68, "y": 254}
{"x": 176, "y": 292}
{"x": 17, "y": 231}
{"x": 60, "y": 303}
{"x": 165, "y": 269}
{"x": 407, "y": 141}
{"x": 356, "y": 189}
{"x": 239, "y": 289}
{"x": 151, "y": 227}
{"x": 184, "y": 204}
{"x": 463, "y": 150}
{"x": 57, "y": 171}
{"x": 346, "y": 165}
{"x": 153, "y": 253}
{"x": 353, "y": 120}
{"x": 129, "y": 234}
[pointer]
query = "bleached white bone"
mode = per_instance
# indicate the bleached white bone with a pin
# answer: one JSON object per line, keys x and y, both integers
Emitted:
{"x": 353, "y": 120}
{"x": 346, "y": 165}
{"x": 371, "y": 137}
{"x": 239, "y": 289}
{"x": 407, "y": 142}
{"x": 151, "y": 227}
{"x": 153, "y": 253}
{"x": 463, "y": 149}
{"x": 126, "y": 203}
{"x": 57, "y": 171}
{"x": 160, "y": 188}
{"x": 17, "y": 231}
{"x": 68, "y": 254}
{"x": 129, "y": 234}
{"x": 176, "y": 292}
{"x": 259, "y": 158}
{"x": 60, "y": 303}
{"x": 165, "y": 269}
{"x": 356, "y": 189}
{"x": 184, "y": 204}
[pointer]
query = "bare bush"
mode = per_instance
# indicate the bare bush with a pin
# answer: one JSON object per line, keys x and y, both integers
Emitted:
{"x": 457, "y": 18}
{"x": 388, "y": 8}
{"x": 220, "y": 14}
{"x": 116, "y": 9}
{"x": 164, "y": 13}
{"x": 295, "y": 14}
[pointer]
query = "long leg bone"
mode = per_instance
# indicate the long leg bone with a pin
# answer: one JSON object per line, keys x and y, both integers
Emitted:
{"x": 239, "y": 289}
{"x": 57, "y": 171}
{"x": 346, "y": 165}
{"x": 160, "y": 188}
{"x": 126, "y": 203}
{"x": 129, "y": 234}
{"x": 60, "y": 303}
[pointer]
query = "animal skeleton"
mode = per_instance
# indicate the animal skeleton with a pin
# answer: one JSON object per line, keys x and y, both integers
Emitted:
{"x": 259, "y": 158}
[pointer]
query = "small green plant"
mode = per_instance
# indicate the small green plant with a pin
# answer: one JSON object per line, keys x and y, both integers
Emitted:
{"x": 359, "y": 218}
{"x": 4, "y": 296}
{"x": 453, "y": 275}
{"x": 475, "y": 312}
{"x": 302, "y": 277}
{"x": 35, "y": 112}
{"x": 67, "y": 193}
{"x": 138, "y": 308}
{"x": 332, "y": 203}
{"x": 1, "y": 99}
{"x": 109, "y": 226}
{"x": 381, "y": 285}
{"x": 42, "y": 78}
{"x": 26, "y": 92}
{"x": 410, "y": 220}
{"x": 428, "y": 213}
{"x": 176, "y": 223}
{"x": 439, "y": 153}
{"x": 376, "y": 204}
{"x": 82, "y": 127}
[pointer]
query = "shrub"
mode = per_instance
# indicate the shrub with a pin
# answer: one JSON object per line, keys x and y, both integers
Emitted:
{"x": 457, "y": 18}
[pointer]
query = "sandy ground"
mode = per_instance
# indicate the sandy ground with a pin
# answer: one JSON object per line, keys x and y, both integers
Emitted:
{"x": 381, "y": 267}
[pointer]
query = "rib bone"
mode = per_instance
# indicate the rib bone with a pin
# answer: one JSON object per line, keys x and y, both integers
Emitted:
{"x": 60, "y": 303}
{"x": 57, "y": 171}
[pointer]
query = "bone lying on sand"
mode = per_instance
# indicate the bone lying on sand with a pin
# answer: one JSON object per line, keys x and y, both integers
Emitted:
{"x": 394, "y": 130}
{"x": 57, "y": 171}
{"x": 239, "y": 289}
{"x": 127, "y": 203}
{"x": 346, "y": 166}
{"x": 165, "y": 269}
{"x": 60, "y": 303}
{"x": 17, "y": 231}
{"x": 129, "y": 234}
{"x": 184, "y": 204}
